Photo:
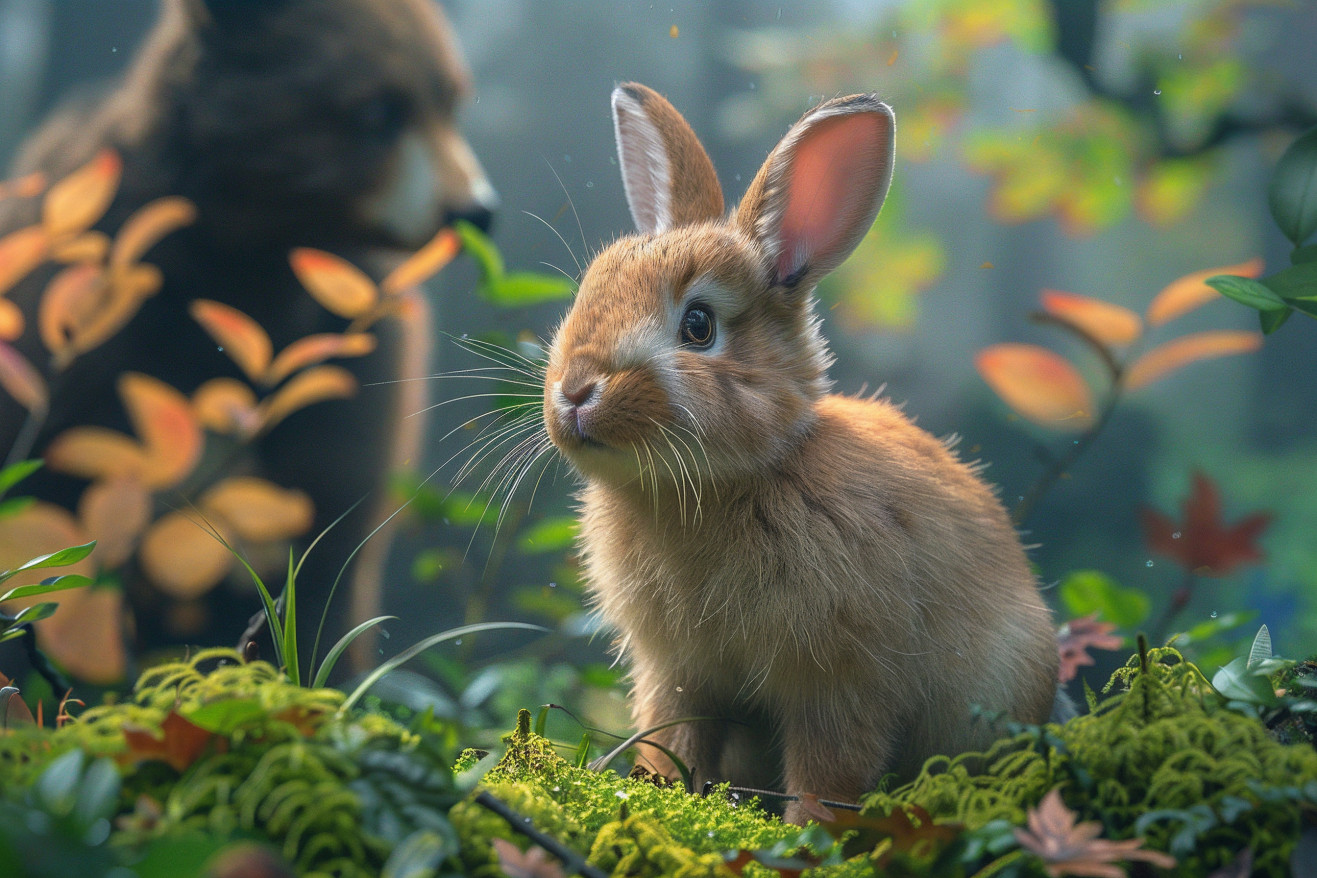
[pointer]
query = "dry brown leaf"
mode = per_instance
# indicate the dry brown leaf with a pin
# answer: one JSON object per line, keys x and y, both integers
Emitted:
{"x": 21, "y": 380}
{"x": 335, "y": 283}
{"x": 75, "y": 203}
{"x": 144, "y": 229}
{"x": 241, "y": 337}
{"x": 13, "y": 709}
{"x": 424, "y": 263}
{"x": 1113, "y": 325}
{"x": 1189, "y": 292}
{"x": 1039, "y": 384}
{"x": 1166, "y": 358}
{"x": 258, "y": 510}
{"x": 20, "y": 252}
{"x": 179, "y": 742}
{"x": 314, "y": 385}
{"x": 227, "y": 405}
{"x": 183, "y": 557}
{"x": 114, "y": 512}
{"x": 316, "y": 349}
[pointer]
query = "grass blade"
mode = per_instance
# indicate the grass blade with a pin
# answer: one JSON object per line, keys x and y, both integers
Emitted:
{"x": 290, "y": 624}
{"x": 331, "y": 658}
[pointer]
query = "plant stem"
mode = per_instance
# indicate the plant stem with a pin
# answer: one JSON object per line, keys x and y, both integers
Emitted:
{"x": 573, "y": 862}
{"x": 1059, "y": 466}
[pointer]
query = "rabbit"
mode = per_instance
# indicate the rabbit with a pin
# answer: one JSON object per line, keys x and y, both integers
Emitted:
{"x": 819, "y": 587}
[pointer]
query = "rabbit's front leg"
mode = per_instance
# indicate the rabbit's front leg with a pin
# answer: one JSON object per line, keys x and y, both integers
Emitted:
{"x": 659, "y": 698}
{"x": 834, "y": 748}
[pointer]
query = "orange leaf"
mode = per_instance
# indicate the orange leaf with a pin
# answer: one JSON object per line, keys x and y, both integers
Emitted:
{"x": 39, "y": 529}
{"x": 183, "y": 557}
{"x": 20, "y": 252}
{"x": 311, "y": 386}
{"x": 1159, "y": 361}
{"x": 85, "y": 636}
{"x": 226, "y": 405}
{"x": 23, "y": 187}
{"x": 114, "y": 512}
{"x": 13, "y": 709}
{"x": 241, "y": 337}
{"x": 1110, "y": 324}
{"x": 86, "y": 247}
{"x": 170, "y": 433}
{"x": 316, "y": 349}
{"x": 80, "y": 199}
{"x": 179, "y": 742}
{"x": 1038, "y": 384}
{"x": 70, "y": 303}
{"x": 335, "y": 283}
{"x": 21, "y": 380}
{"x": 259, "y": 510}
{"x": 11, "y": 320}
{"x": 144, "y": 229}
{"x": 424, "y": 263}
{"x": 137, "y": 281}
{"x": 95, "y": 453}
{"x": 1189, "y": 292}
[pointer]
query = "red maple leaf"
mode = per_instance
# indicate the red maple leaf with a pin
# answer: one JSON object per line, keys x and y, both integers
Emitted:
{"x": 1204, "y": 544}
{"x": 1074, "y": 640}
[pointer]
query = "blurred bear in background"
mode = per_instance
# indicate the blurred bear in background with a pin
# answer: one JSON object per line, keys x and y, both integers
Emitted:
{"x": 325, "y": 124}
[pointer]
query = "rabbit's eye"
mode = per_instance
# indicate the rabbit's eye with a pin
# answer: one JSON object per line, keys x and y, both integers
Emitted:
{"x": 697, "y": 327}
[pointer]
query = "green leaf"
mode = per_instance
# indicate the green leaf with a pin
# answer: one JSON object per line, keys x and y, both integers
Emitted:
{"x": 1293, "y": 192}
{"x": 523, "y": 288}
{"x": 1260, "y": 651}
{"x": 290, "y": 625}
{"x": 1270, "y": 321}
{"x": 1237, "y": 683}
{"x": 1246, "y": 292}
{"x": 16, "y": 472}
{"x": 418, "y": 856}
{"x": 62, "y": 558}
{"x": 34, "y": 613}
{"x": 1090, "y": 591}
{"x": 224, "y": 716}
{"x": 1304, "y": 254}
{"x": 1213, "y": 627}
{"x": 1298, "y": 282}
{"x": 56, "y": 789}
{"x": 550, "y": 535}
{"x": 470, "y": 510}
{"x": 480, "y": 248}
{"x": 46, "y": 586}
{"x": 14, "y": 505}
{"x": 98, "y": 793}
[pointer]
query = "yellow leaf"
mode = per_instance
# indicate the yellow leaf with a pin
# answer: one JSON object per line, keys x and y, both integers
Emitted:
{"x": 163, "y": 419}
{"x": 226, "y": 405}
{"x": 75, "y": 203}
{"x": 316, "y": 349}
{"x": 86, "y": 247}
{"x": 424, "y": 263}
{"x": 259, "y": 510}
{"x": 136, "y": 282}
{"x": 21, "y": 380}
{"x": 312, "y": 386}
{"x": 141, "y": 231}
{"x": 11, "y": 320}
{"x": 1110, "y": 324}
{"x": 335, "y": 283}
{"x": 241, "y": 337}
{"x": 70, "y": 303}
{"x": 85, "y": 636}
{"x": 114, "y": 512}
{"x": 1189, "y": 292}
{"x": 1039, "y": 384}
{"x": 183, "y": 557}
{"x": 95, "y": 453}
{"x": 1159, "y": 361}
{"x": 20, "y": 252}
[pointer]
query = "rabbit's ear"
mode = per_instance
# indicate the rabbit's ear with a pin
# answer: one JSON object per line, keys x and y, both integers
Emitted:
{"x": 668, "y": 176}
{"x": 821, "y": 187}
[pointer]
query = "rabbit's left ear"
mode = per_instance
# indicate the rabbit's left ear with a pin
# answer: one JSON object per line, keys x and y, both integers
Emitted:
{"x": 821, "y": 187}
{"x": 669, "y": 178}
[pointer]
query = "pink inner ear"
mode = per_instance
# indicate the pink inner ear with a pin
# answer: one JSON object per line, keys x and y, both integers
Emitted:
{"x": 838, "y": 173}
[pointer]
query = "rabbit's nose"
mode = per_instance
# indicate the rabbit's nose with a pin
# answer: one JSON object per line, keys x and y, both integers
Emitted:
{"x": 579, "y": 394}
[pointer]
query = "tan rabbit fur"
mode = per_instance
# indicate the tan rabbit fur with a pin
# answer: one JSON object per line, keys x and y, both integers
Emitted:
{"x": 820, "y": 576}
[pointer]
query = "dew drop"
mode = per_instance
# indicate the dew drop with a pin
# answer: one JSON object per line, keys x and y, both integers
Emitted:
{"x": 753, "y": 86}
{"x": 1149, "y": 564}
{"x": 1176, "y": 535}
{"x": 1179, "y": 56}
{"x": 553, "y": 585}
{"x": 457, "y": 642}
{"x": 589, "y": 184}
{"x": 384, "y": 632}
{"x": 1156, "y": 91}
{"x": 1214, "y": 614}
{"x": 679, "y": 689}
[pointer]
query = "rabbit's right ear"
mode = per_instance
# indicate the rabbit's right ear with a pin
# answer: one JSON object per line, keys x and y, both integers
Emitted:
{"x": 668, "y": 177}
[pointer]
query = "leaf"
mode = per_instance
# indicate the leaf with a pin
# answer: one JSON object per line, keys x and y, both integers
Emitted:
{"x": 534, "y": 862}
{"x": 316, "y": 349}
{"x": 147, "y": 225}
{"x": 1039, "y": 384}
{"x": 183, "y": 557}
{"x": 1270, "y": 321}
{"x": 1075, "y": 639}
{"x": 239, "y": 336}
{"x": 115, "y": 512}
{"x": 424, "y": 263}
{"x": 1236, "y": 682}
{"x": 335, "y": 652}
{"x": 41, "y": 528}
{"x": 1164, "y": 359}
{"x": 21, "y": 380}
{"x": 1203, "y": 543}
{"x": 178, "y": 742}
{"x": 522, "y": 289}
{"x": 226, "y": 715}
{"x": 86, "y": 247}
{"x": 13, "y": 709}
{"x": 34, "y": 613}
{"x": 1292, "y": 195}
{"x": 259, "y": 510}
{"x": 1297, "y": 285}
{"x": 1191, "y": 291}
{"x": 1260, "y": 651}
{"x": 170, "y": 433}
{"x": 86, "y": 635}
{"x": 1110, "y": 324}
{"x": 1090, "y": 592}
{"x": 15, "y": 473}
{"x": 478, "y": 245}
{"x": 45, "y": 587}
{"x": 25, "y": 186}
{"x": 423, "y": 852}
{"x": 304, "y": 389}
{"x": 227, "y": 405}
{"x": 338, "y": 285}
{"x": 95, "y": 453}
{"x": 61, "y": 558}
{"x": 20, "y": 252}
{"x": 1303, "y": 254}
{"x": 80, "y": 199}
{"x": 12, "y": 321}
{"x": 1067, "y": 847}
{"x": 1247, "y": 292}
{"x": 550, "y": 535}
{"x": 70, "y": 304}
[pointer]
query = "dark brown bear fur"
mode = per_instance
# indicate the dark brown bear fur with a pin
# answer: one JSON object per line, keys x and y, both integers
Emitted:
{"x": 289, "y": 123}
